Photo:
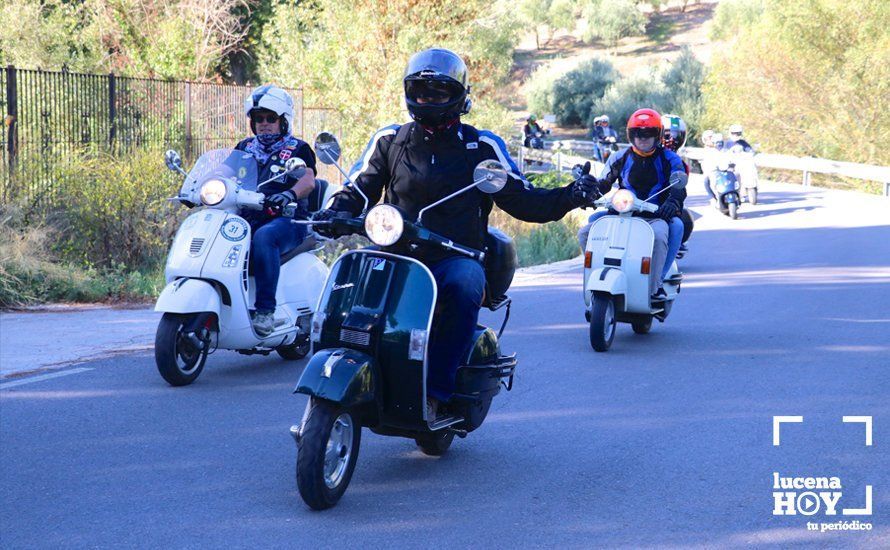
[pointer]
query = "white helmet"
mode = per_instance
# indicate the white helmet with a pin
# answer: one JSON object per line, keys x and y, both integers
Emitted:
{"x": 707, "y": 137}
{"x": 273, "y": 99}
{"x": 604, "y": 118}
{"x": 597, "y": 120}
{"x": 735, "y": 129}
{"x": 717, "y": 140}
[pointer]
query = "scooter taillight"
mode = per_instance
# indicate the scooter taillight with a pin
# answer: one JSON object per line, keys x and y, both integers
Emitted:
{"x": 646, "y": 265}
{"x": 588, "y": 259}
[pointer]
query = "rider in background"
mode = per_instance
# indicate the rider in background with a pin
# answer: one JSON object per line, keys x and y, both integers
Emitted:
{"x": 530, "y": 128}
{"x": 735, "y": 138}
{"x": 600, "y": 133}
{"x": 271, "y": 113}
{"x": 652, "y": 173}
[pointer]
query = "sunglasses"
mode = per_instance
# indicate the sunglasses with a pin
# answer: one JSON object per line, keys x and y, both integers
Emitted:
{"x": 258, "y": 118}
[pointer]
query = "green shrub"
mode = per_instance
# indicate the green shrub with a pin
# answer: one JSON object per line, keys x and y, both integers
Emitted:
{"x": 611, "y": 20}
{"x": 626, "y": 96}
{"x": 575, "y": 92}
{"x": 549, "y": 180}
{"x": 732, "y": 16}
{"x": 114, "y": 210}
{"x": 548, "y": 243}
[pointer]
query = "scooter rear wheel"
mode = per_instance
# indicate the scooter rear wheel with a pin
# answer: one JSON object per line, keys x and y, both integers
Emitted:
{"x": 435, "y": 444}
{"x": 602, "y": 322}
{"x": 177, "y": 359}
{"x": 328, "y": 450}
{"x": 292, "y": 352}
{"x": 752, "y": 195}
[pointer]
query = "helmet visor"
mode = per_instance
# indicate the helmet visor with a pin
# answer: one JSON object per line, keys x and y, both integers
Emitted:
{"x": 437, "y": 92}
{"x": 643, "y": 133}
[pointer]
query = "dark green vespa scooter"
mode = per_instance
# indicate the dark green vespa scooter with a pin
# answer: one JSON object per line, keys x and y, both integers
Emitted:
{"x": 370, "y": 335}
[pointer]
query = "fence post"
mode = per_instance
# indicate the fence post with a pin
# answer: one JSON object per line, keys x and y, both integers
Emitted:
{"x": 188, "y": 120}
{"x": 558, "y": 161}
{"x": 112, "y": 93}
{"x": 887, "y": 188}
{"x": 12, "y": 115}
{"x": 521, "y": 157}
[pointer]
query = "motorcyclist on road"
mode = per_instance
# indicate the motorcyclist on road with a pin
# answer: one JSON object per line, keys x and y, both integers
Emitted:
{"x": 709, "y": 163}
{"x": 600, "y": 134}
{"x": 647, "y": 169}
{"x": 735, "y": 138}
{"x": 415, "y": 164}
{"x": 530, "y": 129}
{"x": 271, "y": 113}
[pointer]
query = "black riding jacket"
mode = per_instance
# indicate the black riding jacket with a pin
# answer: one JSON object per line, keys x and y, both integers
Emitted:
{"x": 415, "y": 168}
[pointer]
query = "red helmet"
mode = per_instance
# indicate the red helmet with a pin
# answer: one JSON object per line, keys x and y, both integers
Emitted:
{"x": 644, "y": 123}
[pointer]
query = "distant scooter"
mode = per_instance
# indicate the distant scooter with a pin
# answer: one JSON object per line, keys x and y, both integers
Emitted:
{"x": 617, "y": 268}
{"x": 725, "y": 183}
{"x": 210, "y": 290}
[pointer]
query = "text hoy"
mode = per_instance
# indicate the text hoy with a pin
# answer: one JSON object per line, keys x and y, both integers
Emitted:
{"x": 810, "y": 502}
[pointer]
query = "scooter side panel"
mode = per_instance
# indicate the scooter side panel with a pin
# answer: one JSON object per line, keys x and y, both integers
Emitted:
{"x": 348, "y": 379}
{"x": 189, "y": 296}
{"x": 226, "y": 263}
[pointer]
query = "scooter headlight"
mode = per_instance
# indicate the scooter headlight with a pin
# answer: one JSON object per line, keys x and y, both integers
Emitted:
{"x": 213, "y": 192}
{"x": 623, "y": 200}
{"x": 384, "y": 225}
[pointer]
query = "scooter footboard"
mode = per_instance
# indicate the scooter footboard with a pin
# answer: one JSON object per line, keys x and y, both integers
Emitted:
{"x": 344, "y": 376}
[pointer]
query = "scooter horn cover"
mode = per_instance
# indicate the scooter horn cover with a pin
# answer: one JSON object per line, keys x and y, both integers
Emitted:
{"x": 500, "y": 263}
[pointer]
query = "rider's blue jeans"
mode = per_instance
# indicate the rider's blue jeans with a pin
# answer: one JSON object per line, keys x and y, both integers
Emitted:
{"x": 270, "y": 241}
{"x": 675, "y": 239}
{"x": 461, "y": 282}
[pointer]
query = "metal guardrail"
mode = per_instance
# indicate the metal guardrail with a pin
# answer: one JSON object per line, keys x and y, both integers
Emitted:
{"x": 810, "y": 165}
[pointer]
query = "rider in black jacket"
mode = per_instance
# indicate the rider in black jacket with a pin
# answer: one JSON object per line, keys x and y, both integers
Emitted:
{"x": 418, "y": 163}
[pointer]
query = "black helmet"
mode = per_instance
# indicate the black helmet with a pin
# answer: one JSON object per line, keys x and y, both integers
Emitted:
{"x": 673, "y": 135}
{"x": 439, "y": 76}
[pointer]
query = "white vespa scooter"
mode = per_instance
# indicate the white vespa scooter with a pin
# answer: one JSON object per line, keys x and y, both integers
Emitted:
{"x": 617, "y": 267}
{"x": 210, "y": 290}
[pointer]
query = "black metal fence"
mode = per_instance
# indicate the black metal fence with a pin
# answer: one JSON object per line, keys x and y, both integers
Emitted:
{"x": 52, "y": 117}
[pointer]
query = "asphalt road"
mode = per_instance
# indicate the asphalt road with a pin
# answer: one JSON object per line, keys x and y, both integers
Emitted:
{"x": 664, "y": 441}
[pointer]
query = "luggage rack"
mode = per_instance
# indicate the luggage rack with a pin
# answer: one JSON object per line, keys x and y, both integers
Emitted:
{"x": 498, "y": 303}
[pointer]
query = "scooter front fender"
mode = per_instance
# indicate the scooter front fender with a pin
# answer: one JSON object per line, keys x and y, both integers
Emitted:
{"x": 189, "y": 296}
{"x": 610, "y": 280}
{"x": 345, "y": 376}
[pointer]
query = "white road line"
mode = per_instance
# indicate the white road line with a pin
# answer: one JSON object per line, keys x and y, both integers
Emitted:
{"x": 41, "y": 378}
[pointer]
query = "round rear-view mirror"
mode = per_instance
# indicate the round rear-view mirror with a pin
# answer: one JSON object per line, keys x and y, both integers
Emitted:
{"x": 327, "y": 148}
{"x": 490, "y": 176}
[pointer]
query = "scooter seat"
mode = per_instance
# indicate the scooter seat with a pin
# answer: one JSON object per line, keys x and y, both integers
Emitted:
{"x": 308, "y": 244}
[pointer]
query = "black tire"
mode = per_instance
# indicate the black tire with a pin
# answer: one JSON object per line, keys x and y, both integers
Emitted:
{"x": 602, "y": 322}
{"x": 435, "y": 444}
{"x": 177, "y": 360}
{"x": 752, "y": 195}
{"x": 320, "y": 485}
{"x": 733, "y": 210}
{"x": 642, "y": 327}
{"x": 292, "y": 352}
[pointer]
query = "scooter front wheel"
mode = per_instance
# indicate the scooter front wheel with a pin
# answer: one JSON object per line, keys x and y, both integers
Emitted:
{"x": 179, "y": 356}
{"x": 733, "y": 210}
{"x": 328, "y": 450}
{"x": 602, "y": 322}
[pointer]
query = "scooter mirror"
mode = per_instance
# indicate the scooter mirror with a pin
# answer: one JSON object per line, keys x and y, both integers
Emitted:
{"x": 490, "y": 176}
{"x": 327, "y": 148}
{"x": 173, "y": 160}
{"x": 294, "y": 163}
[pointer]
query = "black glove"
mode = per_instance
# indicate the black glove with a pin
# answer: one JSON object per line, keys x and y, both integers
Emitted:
{"x": 327, "y": 229}
{"x": 667, "y": 210}
{"x": 279, "y": 200}
{"x": 585, "y": 189}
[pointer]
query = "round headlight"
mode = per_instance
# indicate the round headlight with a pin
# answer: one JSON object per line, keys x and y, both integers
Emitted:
{"x": 384, "y": 225}
{"x": 213, "y": 192}
{"x": 622, "y": 200}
